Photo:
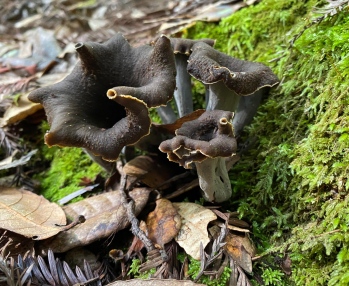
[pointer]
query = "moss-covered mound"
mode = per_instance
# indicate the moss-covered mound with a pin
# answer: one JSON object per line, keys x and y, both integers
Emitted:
{"x": 69, "y": 168}
{"x": 292, "y": 182}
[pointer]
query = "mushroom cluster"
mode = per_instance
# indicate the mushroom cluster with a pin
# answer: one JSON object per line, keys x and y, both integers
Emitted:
{"x": 233, "y": 85}
{"x": 103, "y": 104}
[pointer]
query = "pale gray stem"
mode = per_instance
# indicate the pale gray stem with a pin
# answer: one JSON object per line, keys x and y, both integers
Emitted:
{"x": 214, "y": 180}
{"x": 183, "y": 94}
{"x": 222, "y": 98}
{"x": 166, "y": 114}
{"x": 207, "y": 94}
{"x": 246, "y": 110}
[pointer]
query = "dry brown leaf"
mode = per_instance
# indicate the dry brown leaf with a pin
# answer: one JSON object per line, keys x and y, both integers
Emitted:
{"x": 147, "y": 170}
{"x": 206, "y": 12}
{"x": 241, "y": 250}
{"x": 172, "y": 127}
{"x": 155, "y": 282}
{"x": 193, "y": 232}
{"x": 163, "y": 223}
{"x": 104, "y": 215}
{"x": 286, "y": 264}
{"x": 19, "y": 111}
{"x": 28, "y": 214}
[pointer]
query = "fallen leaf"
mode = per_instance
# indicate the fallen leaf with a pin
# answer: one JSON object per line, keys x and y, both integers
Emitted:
{"x": 28, "y": 214}
{"x": 188, "y": 16}
{"x": 146, "y": 169}
{"x": 19, "y": 111}
{"x": 193, "y": 232}
{"x": 163, "y": 223}
{"x": 241, "y": 249}
{"x": 238, "y": 223}
{"x": 104, "y": 215}
{"x": 172, "y": 127}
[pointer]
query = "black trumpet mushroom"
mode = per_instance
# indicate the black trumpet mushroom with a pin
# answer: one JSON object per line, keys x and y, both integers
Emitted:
{"x": 103, "y": 104}
{"x": 206, "y": 142}
{"x": 234, "y": 84}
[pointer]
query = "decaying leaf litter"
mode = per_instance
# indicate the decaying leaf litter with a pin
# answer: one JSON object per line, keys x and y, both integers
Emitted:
{"x": 37, "y": 51}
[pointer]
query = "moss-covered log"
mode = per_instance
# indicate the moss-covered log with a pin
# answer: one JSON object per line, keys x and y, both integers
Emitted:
{"x": 292, "y": 183}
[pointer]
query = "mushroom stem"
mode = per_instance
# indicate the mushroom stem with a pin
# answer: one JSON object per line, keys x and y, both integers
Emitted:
{"x": 166, "y": 114}
{"x": 183, "y": 94}
{"x": 207, "y": 94}
{"x": 221, "y": 97}
{"x": 246, "y": 110}
{"x": 214, "y": 180}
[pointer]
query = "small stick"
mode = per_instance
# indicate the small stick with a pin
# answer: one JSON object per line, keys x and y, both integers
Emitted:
{"x": 173, "y": 179}
{"x": 185, "y": 188}
{"x": 131, "y": 216}
{"x": 78, "y": 220}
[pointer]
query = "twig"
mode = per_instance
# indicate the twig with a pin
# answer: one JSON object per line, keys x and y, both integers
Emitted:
{"x": 75, "y": 194}
{"x": 185, "y": 188}
{"x": 326, "y": 233}
{"x": 173, "y": 179}
{"x": 131, "y": 216}
{"x": 80, "y": 219}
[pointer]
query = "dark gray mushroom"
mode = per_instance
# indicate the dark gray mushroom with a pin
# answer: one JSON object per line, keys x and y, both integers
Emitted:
{"x": 205, "y": 142}
{"x": 81, "y": 115}
{"x": 229, "y": 78}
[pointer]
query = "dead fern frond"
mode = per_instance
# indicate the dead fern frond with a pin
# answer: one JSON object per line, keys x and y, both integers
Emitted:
{"x": 8, "y": 142}
{"x": 332, "y": 7}
{"x": 31, "y": 270}
{"x": 214, "y": 256}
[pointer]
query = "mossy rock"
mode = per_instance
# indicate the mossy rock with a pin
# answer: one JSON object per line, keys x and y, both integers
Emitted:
{"x": 292, "y": 182}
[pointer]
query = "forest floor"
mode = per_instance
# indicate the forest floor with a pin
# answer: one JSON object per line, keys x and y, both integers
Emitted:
{"x": 67, "y": 220}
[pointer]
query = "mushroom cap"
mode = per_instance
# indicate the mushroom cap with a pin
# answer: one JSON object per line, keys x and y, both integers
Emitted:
{"x": 78, "y": 110}
{"x": 184, "y": 46}
{"x": 106, "y": 142}
{"x": 209, "y": 136}
{"x": 243, "y": 77}
{"x": 148, "y": 73}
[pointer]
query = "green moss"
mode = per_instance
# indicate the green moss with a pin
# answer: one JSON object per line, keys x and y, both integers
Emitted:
{"x": 273, "y": 277}
{"x": 68, "y": 166}
{"x": 134, "y": 270}
{"x": 194, "y": 269}
{"x": 292, "y": 183}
